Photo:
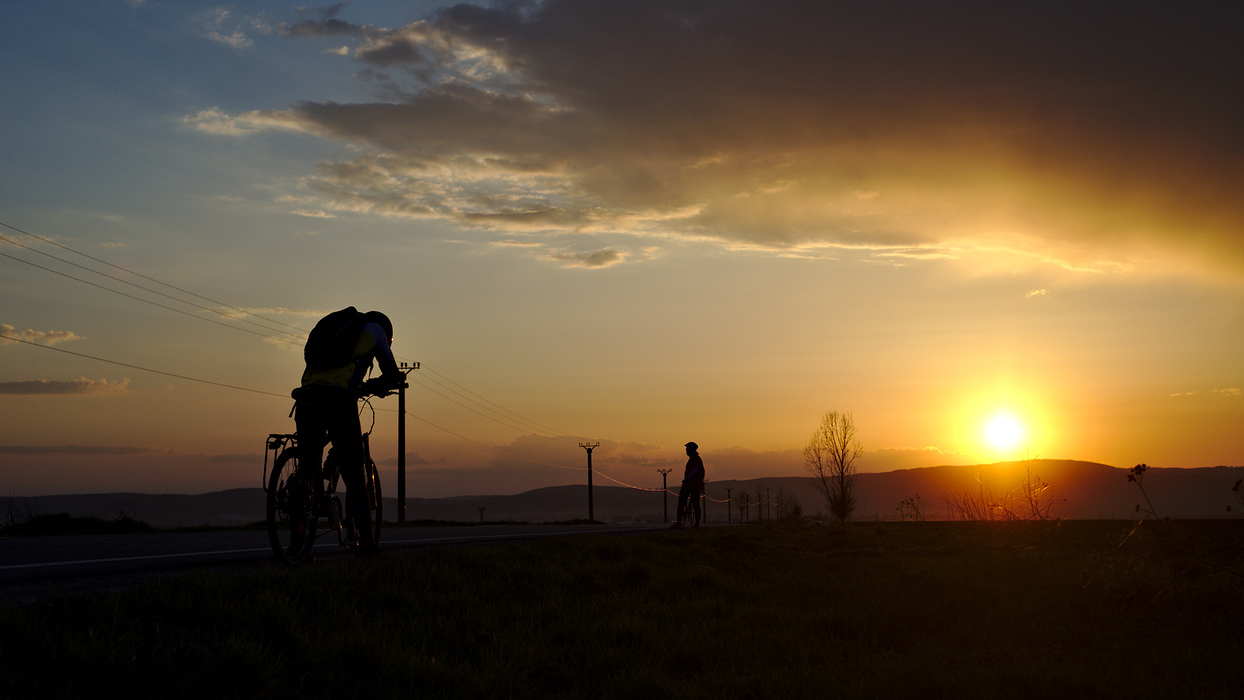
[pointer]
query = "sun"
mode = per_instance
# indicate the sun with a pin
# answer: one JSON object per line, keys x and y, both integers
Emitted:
{"x": 1003, "y": 432}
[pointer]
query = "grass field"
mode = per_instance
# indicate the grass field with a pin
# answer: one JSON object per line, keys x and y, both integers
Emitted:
{"x": 965, "y": 610}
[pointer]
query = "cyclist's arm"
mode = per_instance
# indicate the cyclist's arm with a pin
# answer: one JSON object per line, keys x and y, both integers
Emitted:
{"x": 390, "y": 376}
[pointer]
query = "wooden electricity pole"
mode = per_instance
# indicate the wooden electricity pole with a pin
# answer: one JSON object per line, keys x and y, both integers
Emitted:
{"x": 665, "y": 495}
{"x": 589, "y": 448}
{"x": 406, "y": 369}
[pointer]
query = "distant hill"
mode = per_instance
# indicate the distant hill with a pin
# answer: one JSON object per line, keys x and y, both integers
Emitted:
{"x": 1086, "y": 491}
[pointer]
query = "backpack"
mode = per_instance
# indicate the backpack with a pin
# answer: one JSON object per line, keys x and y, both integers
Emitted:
{"x": 332, "y": 341}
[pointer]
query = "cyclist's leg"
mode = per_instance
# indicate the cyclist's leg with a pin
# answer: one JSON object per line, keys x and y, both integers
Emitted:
{"x": 347, "y": 438}
{"x": 309, "y": 421}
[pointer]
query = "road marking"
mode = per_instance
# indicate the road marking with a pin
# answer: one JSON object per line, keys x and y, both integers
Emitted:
{"x": 429, "y": 540}
{"x": 145, "y": 557}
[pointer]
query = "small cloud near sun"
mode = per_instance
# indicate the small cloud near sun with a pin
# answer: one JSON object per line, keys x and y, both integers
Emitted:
{"x": 1037, "y": 293}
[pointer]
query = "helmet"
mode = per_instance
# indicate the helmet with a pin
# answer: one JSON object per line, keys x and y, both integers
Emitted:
{"x": 381, "y": 320}
{"x": 692, "y": 446}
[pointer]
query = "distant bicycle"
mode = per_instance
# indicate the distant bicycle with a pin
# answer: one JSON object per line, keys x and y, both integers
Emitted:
{"x": 294, "y": 510}
{"x": 686, "y": 517}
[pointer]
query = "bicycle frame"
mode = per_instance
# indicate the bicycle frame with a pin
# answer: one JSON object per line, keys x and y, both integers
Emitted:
{"x": 322, "y": 500}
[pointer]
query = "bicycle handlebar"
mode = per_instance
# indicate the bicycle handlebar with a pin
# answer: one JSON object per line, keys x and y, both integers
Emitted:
{"x": 376, "y": 388}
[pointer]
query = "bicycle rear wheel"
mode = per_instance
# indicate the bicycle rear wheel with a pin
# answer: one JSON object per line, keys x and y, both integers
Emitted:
{"x": 291, "y": 512}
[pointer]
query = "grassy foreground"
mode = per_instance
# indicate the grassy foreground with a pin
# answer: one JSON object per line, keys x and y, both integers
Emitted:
{"x": 869, "y": 610}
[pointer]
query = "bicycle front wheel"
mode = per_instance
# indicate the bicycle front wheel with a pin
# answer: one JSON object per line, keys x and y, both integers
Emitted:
{"x": 377, "y": 502}
{"x": 291, "y": 510}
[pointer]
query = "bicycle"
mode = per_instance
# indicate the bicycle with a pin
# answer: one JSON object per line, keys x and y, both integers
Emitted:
{"x": 685, "y": 514}
{"x": 294, "y": 508}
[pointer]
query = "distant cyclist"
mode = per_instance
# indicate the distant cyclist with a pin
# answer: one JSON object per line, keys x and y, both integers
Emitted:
{"x": 339, "y": 356}
{"x": 692, "y": 485}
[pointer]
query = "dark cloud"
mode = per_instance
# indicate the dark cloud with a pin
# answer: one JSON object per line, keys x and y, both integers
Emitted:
{"x": 235, "y": 458}
{"x": 34, "y": 450}
{"x": 326, "y": 27}
{"x": 413, "y": 459}
{"x": 1074, "y": 131}
{"x": 44, "y": 387}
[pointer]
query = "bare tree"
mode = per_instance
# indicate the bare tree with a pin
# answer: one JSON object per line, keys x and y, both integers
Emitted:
{"x": 912, "y": 508}
{"x": 829, "y": 460}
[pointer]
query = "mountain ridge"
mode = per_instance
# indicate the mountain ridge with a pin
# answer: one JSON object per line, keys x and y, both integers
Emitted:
{"x": 1083, "y": 491}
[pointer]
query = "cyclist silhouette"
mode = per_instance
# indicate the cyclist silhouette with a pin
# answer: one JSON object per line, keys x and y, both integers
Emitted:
{"x": 692, "y": 485}
{"x": 326, "y": 408}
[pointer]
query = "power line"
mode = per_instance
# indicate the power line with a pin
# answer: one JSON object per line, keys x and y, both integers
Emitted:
{"x": 265, "y": 393}
{"x": 141, "y": 368}
{"x": 494, "y": 448}
{"x": 145, "y": 301}
{"x": 505, "y": 417}
{"x": 500, "y": 421}
{"x": 503, "y": 409}
{"x": 264, "y": 335}
{"x": 149, "y": 279}
{"x": 286, "y": 396}
{"x": 10, "y": 241}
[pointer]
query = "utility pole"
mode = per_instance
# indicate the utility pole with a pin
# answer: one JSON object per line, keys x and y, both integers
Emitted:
{"x": 589, "y": 448}
{"x": 768, "y": 505}
{"x": 665, "y": 495}
{"x": 405, "y": 369}
{"x": 728, "y": 504}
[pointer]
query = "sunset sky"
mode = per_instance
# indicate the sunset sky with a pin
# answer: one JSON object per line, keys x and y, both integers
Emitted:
{"x": 635, "y": 223}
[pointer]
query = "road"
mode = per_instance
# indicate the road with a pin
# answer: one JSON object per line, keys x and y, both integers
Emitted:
{"x": 31, "y": 567}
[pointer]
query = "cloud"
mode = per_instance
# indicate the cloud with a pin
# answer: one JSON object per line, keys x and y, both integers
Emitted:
{"x": 1073, "y": 134}
{"x": 313, "y": 214}
{"x": 413, "y": 459}
{"x": 1229, "y": 391}
{"x": 34, "y": 450}
{"x": 323, "y": 28}
{"x": 600, "y": 258}
{"x": 33, "y": 336}
{"x": 44, "y": 387}
{"x": 220, "y": 25}
{"x": 235, "y": 458}
{"x": 215, "y": 121}
{"x": 284, "y": 311}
